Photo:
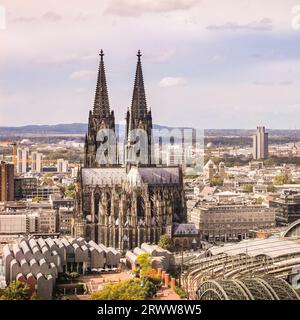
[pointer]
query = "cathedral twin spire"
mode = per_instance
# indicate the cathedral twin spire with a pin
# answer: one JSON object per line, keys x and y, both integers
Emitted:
{"x": 138, "y": 108}
{"x": 137, "y": 116}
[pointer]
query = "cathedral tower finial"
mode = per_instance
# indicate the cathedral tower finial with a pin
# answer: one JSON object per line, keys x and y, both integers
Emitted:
{"x": 139, "y": 55}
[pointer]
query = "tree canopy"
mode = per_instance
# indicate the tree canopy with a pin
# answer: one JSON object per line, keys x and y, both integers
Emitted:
{"x": 124, "y": 290}
{"x": 141, "y": 288}
{"x": 166, "y": 242}
{"x": 15, "y": 291}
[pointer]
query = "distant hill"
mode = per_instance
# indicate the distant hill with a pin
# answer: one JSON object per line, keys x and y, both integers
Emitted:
{"x": 81, "y": 129}
{"x": 70, "y": 128}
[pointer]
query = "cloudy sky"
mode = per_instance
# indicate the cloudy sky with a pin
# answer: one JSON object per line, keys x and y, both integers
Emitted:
{"x": 207, "y": 63}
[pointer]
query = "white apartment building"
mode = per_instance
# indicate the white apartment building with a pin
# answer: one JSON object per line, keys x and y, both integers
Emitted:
{"x": 22, "y": 160}
{"x": 36, "y": 162}
{"x": 62, "y": 165}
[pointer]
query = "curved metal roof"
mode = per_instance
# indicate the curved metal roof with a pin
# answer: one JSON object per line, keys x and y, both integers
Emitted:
{"x": 271, "y": 247}
{"x": 293, "y": 229}
{"x": 266, "y": 288}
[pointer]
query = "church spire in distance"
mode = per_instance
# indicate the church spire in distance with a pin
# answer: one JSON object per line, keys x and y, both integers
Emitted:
{"x": 101, "y": 104}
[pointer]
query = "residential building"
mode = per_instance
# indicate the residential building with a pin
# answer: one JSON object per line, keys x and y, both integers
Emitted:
{"x": 22, "y": 160}
{"x": 36, "y": 162}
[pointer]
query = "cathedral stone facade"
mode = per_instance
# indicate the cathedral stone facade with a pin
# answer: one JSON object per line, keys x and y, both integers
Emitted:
{"x": 125, "y": 203}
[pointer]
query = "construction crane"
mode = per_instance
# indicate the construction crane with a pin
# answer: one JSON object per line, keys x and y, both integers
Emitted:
{"x": 14, "y": 145}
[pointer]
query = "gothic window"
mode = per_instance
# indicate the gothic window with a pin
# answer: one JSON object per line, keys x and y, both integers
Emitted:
{"x": 108, "y": 197}
{"x": 152, "y": 204}
{"x": 96, "y": 204}
{"x": 176, "y": 206}
{"x": 140, "y": 208}
{"x": 86, "y": 203}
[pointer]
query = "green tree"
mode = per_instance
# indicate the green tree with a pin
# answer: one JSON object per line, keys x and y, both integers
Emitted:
{"x": 282, "y": 179}
{"x": 15, "y": 291}
{"x": 148, "y": 276}
{"x": 70, "y": 191}
{"x": 151, "y": 275}
{"x": 143, "y": 260}
{"x": 48, "y": 181}
{"x": 166, "y": 242}
{"x": 124, "y": 290}
{"x": 259, "y": 200}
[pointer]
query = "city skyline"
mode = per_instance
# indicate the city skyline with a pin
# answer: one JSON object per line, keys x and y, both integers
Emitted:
{"x": 237, "y": 70}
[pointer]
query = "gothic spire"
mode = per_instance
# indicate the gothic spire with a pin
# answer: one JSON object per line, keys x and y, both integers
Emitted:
{"x": 139, "y": 104}
{"x": 101, "y": 104}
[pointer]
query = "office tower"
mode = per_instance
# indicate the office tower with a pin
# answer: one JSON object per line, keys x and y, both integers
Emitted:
{"x": 36, "y": 162}
{"x": 6, "y": 181}
{"x": 62, "y": 166}
{"x": 22, "y": 160}
{"x": 260, "y": 144}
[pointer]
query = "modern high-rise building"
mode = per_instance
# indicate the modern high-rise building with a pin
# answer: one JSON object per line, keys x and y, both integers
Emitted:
{"x": 62, "y": 166}
{"x": 36, "y": 162}
{"x": 22, "y": 160}
{"x": 260, "y": 144}
{"x": 6, "y": 181}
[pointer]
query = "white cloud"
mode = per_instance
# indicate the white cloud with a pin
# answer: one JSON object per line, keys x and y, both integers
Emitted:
{"x": 261, "y": 25}
{"x": 83, "y": 75}
{"x": 172, "y": 82}
{"x": 139, "y": 7}
{"x": 64, "y": 59}
{"x": 161, "y": 57}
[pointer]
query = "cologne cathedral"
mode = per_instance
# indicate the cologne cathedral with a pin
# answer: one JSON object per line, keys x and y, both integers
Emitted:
{"x": 123, "y": 201}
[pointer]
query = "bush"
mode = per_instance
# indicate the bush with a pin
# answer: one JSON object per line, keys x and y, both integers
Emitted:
{"x": 150, "y": 288}
{"x": 15, "y": 291}
{"x": 151, "y": 275}
{"x": 182, "y": 294}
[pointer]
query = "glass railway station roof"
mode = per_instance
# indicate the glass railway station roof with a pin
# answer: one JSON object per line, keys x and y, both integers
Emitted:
{"x": 271, "y": 247}
{"x": 266, "y": 288}
{"x": 254, "y": 269}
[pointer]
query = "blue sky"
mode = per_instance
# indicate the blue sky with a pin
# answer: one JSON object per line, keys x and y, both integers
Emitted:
{"x": 207, "y": 63}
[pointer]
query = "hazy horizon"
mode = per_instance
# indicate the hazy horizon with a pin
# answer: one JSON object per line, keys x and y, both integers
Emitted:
{"x": 158, "y": 124}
